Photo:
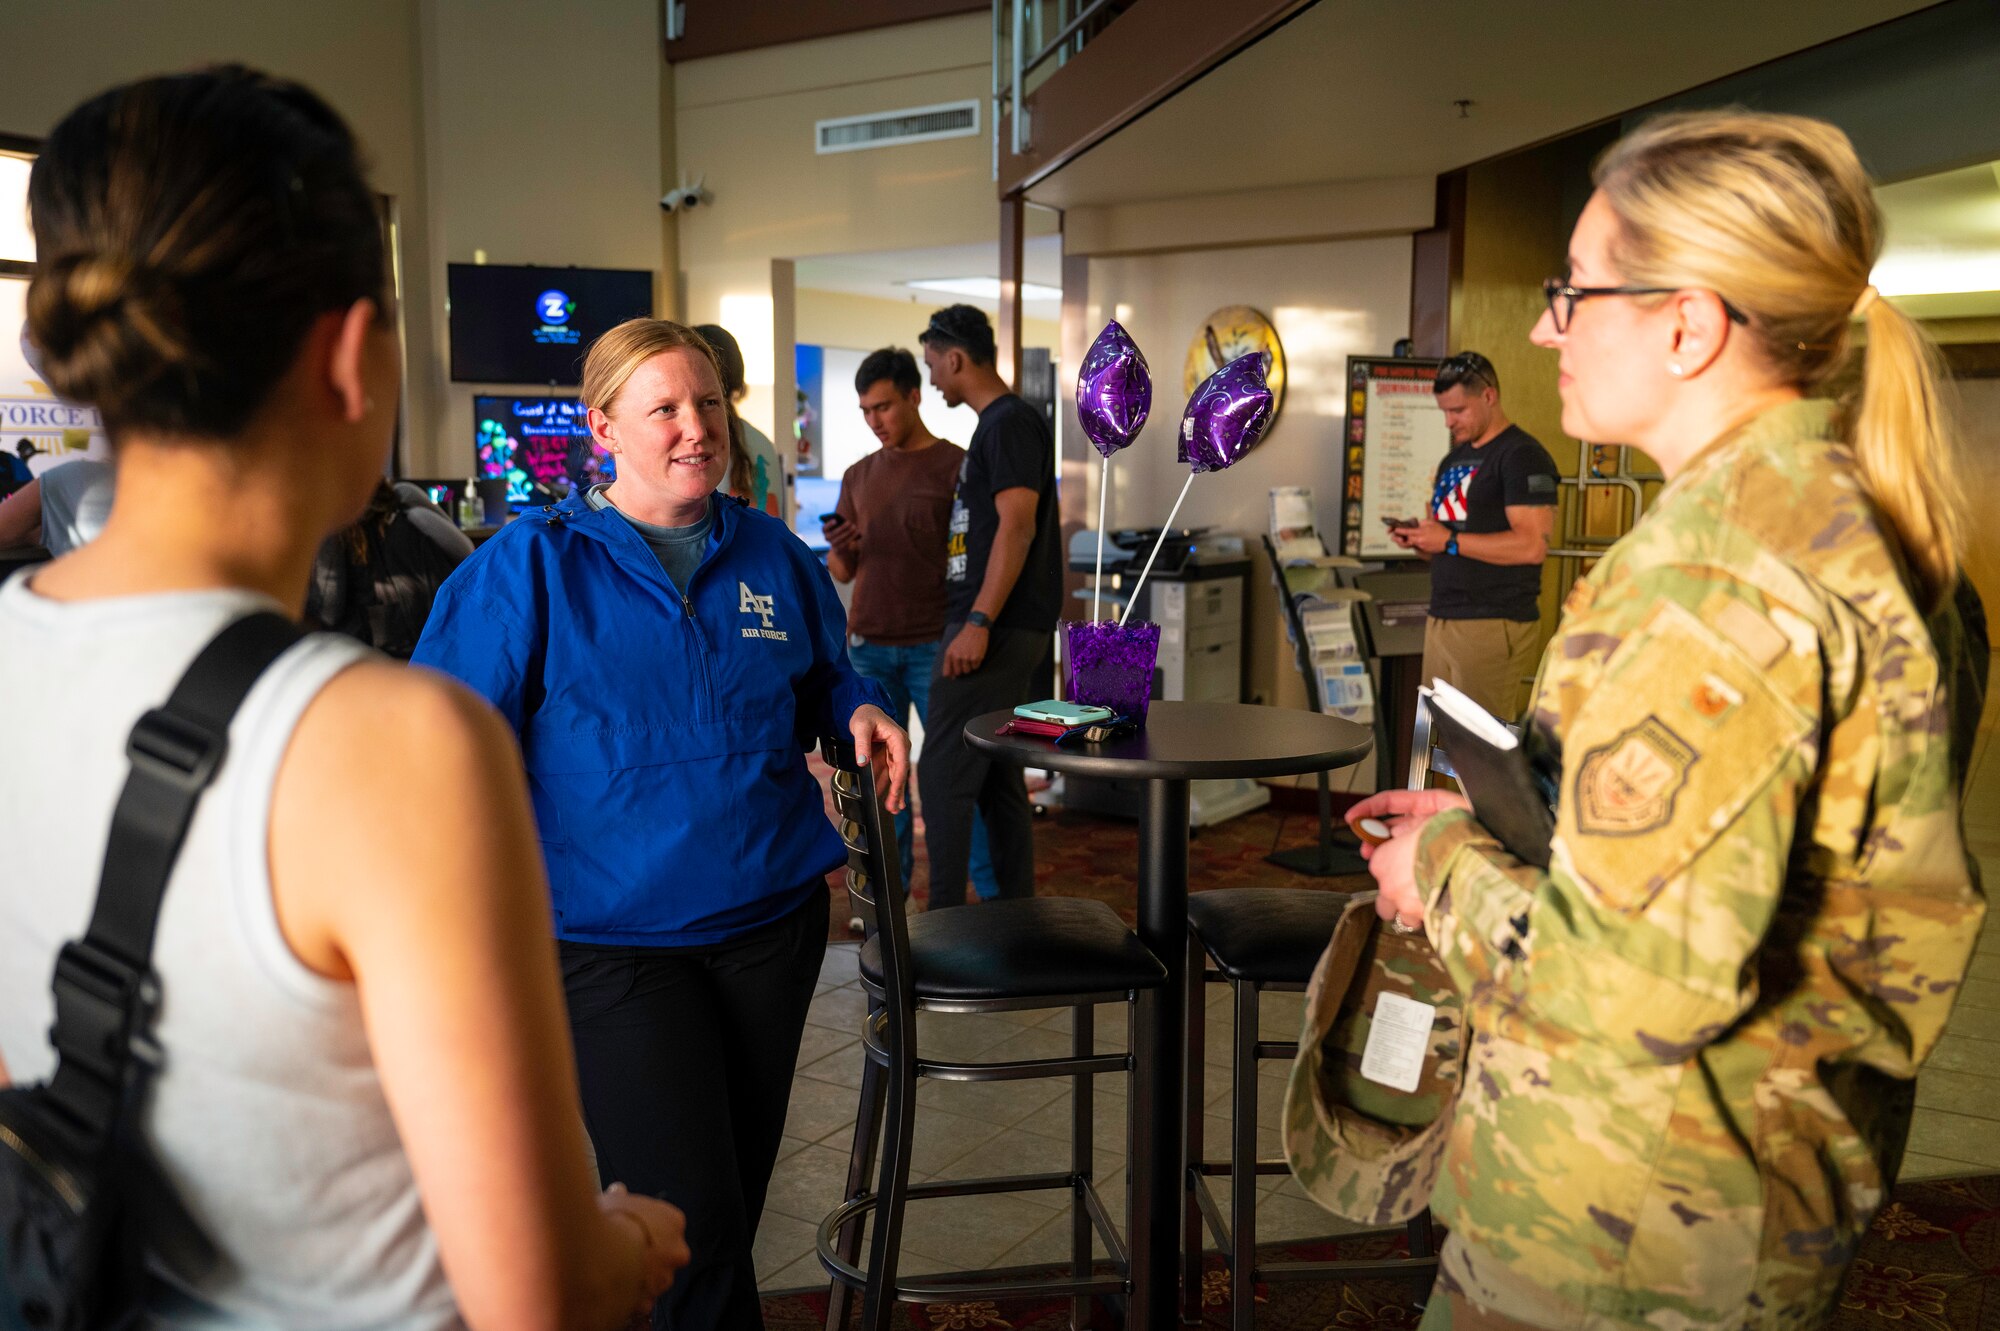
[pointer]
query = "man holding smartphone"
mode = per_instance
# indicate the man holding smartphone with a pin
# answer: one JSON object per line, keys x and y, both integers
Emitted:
{"x": 887, "y": 536}
{"x": 1485, "y": 534}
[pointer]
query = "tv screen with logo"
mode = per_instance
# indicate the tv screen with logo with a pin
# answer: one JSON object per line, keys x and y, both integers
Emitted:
{"x": 532, "y": 325}
{"x": 541, "y": 445}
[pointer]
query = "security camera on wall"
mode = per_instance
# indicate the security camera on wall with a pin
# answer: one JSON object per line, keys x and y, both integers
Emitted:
{"x": 684, "y": 196}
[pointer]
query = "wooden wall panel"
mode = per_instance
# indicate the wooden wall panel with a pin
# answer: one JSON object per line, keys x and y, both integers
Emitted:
{"x": 718, "y": 27}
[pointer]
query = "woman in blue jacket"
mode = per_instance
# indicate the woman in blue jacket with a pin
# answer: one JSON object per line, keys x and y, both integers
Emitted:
{"x": 666, "y": 655}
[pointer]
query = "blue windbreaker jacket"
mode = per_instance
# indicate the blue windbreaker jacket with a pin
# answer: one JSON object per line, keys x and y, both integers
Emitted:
{"x": 664, "y": 737}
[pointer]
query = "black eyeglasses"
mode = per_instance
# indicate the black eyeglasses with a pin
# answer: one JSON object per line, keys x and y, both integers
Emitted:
{"x": 1562, "y": 299}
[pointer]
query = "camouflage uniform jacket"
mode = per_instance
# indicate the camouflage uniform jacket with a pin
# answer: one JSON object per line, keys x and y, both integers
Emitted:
{"x": 1696, "y": 1032}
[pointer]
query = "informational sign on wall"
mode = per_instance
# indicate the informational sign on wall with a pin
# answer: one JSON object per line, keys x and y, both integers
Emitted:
{"x": 37, "y": 427}
{"x": 1395, "y": 438}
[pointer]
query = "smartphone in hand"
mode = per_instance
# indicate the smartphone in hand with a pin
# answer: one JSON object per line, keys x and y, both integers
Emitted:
{"x": 1394, "y": 524}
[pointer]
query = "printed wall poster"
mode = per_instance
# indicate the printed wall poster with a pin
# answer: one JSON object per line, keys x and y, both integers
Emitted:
{"x": 1396, "y": 437}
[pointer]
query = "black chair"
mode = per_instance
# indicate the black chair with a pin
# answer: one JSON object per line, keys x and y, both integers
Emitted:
{"x": 995, "y": 957}
{"x": 1257, "y": 940}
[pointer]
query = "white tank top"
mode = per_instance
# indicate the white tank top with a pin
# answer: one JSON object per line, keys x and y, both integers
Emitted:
{"x": 268, "y": 1115}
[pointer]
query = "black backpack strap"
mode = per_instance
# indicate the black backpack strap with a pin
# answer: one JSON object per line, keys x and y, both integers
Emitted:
{"x": 106, "y": 993}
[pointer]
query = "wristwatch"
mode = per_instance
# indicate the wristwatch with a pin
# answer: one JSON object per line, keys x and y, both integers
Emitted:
{"x": 1451, "y": 546}
{"x": 979, "y": 619}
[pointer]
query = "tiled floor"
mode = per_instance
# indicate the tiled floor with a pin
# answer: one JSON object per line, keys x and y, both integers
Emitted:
{"x": 1957, "y": 1124}
{"x": 964, "y": 1130}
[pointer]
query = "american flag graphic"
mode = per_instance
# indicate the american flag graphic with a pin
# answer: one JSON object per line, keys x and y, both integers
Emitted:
{"x": 1448, "y": 498}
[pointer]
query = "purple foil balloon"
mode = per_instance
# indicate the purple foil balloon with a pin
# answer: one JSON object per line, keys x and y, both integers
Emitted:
{"x": 1114, "y": 390}
{"x": 1227, "y": 415}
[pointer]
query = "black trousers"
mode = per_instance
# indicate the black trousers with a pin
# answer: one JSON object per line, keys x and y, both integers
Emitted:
{"x": 685, "y": 1060}
{"x": 954, "y": 778}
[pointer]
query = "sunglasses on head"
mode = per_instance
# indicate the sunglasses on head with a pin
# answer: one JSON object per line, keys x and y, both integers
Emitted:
{"x": 1465, "y": 367}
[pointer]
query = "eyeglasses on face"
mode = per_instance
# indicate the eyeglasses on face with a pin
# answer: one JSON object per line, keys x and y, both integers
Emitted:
{"x": 1562, "y": 299}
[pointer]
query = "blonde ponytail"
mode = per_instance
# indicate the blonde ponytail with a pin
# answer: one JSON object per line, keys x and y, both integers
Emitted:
{"x": 1775, "y": 214}
{"x": 1903, "y": 444}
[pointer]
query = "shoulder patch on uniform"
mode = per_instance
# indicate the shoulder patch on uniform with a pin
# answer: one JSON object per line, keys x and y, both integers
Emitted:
{"x": 1628, "y": 786}
{"x": 1761, "y": 640}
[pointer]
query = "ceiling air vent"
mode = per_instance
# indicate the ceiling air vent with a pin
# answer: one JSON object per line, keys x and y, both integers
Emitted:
{"x": 917, "y": 124}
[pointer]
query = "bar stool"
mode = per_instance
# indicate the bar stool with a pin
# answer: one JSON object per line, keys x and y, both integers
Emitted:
{"x": 1257, "y": 940}
{"x": 996, "y": 957}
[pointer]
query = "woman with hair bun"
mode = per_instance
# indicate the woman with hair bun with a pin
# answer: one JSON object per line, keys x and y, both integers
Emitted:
{"x": 1695, "y": 1035}
{"x": 365, "y": 1098}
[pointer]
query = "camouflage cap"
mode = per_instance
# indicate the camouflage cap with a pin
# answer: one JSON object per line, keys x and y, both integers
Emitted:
{"x": 1362, "y": 1148}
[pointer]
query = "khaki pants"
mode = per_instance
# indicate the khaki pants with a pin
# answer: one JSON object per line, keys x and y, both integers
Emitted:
{"x": 1488, "y": 660}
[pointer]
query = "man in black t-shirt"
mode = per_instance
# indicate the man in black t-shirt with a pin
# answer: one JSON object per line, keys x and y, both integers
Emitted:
{"x": 1003, "y": 589}
{"x": 1485, "y": 534}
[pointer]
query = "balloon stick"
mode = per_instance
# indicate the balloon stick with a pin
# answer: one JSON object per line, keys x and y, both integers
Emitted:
{"x": 1164, "y": 533}
{"x": 1097, "y": 584}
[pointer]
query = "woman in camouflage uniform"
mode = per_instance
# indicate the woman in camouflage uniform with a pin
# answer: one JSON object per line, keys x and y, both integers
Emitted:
{"x": 1696, "y": 1033}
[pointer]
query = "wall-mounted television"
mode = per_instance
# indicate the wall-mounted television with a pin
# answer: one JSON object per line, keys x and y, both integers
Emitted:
{"x": 542, "y": 445}
{"x": 532, "y": 325}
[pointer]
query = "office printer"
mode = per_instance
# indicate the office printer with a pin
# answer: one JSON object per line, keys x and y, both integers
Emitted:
{"x": 1196, "y": 593}
{"x": 1126, "y": 548}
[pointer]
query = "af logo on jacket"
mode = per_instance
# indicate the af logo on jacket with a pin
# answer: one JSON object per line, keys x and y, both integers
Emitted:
{"x": 750, "y": 603}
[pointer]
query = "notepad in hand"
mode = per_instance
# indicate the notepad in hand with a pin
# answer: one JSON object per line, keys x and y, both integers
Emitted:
{"x": 1494, "y": 770}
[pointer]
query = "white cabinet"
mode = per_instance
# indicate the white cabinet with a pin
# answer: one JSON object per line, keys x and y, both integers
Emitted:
{"x": 1201, "y": 637}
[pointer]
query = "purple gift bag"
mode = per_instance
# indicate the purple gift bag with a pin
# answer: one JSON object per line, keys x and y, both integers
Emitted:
{"x": 1111, "y": 665}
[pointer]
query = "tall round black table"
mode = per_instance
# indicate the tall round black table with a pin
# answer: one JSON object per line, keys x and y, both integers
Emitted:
{"x": 1182, "y": 742}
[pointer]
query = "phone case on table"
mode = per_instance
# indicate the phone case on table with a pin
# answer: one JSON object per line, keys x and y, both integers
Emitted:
{"x": 1063, "y": 713}
{"x": 1021, "y": 725}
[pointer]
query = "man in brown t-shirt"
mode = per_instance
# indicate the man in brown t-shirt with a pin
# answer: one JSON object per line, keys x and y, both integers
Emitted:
{"x": 887, "y": 536}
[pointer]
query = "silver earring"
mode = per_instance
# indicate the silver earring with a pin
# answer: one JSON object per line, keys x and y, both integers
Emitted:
{"x": 1676, "y": 371}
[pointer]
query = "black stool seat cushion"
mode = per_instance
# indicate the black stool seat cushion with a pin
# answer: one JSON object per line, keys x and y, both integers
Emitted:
{"x": 1267, "y": 935}
{"x": 1044, "y": 947}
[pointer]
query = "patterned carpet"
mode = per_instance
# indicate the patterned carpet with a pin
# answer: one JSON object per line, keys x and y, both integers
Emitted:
{"x": 1085, "y": 855}
{"x": 1931, "y": 1263}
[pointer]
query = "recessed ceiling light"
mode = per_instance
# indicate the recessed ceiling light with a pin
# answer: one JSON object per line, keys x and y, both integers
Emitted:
{"x": 987, "y": 288}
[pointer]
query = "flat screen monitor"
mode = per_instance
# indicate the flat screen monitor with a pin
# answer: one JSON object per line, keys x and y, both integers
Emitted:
{"x": 542, "y": 445}
{"x": 532, "y": 325}
{"x": 444, "y": 491}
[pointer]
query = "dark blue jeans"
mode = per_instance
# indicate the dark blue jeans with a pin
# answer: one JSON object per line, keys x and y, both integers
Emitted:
{"x": 905, "y": 675}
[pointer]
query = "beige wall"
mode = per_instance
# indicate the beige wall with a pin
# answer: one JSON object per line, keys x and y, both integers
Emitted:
{"x": 462, "y": 122}
{"x": 1516, "y": 235}
{"x": 542, "y": 130}
{"x": 1254, "y": 217}
{"x": 839, "y": 319}
{"x": 1328, "y": 300}
{"x": 482, "y": 154}
{"x": 361, "y": 55}
{"x": 775, "y": 198}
